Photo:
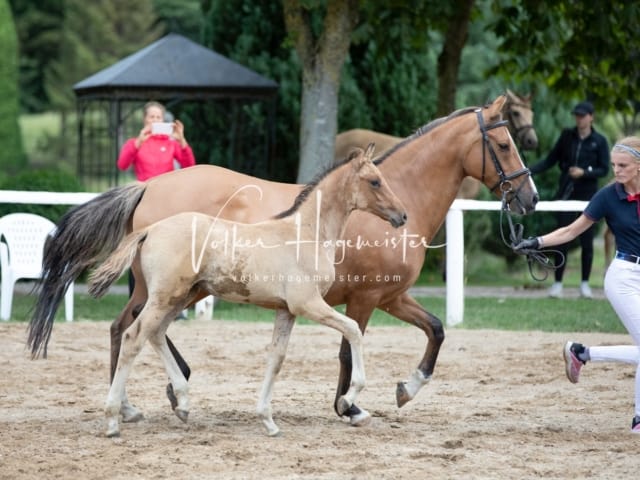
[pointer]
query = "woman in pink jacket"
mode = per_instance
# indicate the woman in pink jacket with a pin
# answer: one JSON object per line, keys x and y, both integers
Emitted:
{"x": 153, "y": 154}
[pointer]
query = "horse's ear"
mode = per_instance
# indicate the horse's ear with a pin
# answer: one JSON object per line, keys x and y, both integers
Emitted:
{"x": 369, "y": 151}
{"x": 356, "y": 152}
{"x": 496, "y": 107}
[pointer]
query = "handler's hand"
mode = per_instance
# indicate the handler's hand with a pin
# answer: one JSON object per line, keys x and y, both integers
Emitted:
{"x": 531, "y": 243}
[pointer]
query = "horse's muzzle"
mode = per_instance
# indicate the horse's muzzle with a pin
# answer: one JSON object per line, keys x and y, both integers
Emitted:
{"x": 398, "y": 220}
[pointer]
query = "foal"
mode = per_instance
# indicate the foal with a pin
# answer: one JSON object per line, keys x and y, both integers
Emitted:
{"x": 286, "y": 263}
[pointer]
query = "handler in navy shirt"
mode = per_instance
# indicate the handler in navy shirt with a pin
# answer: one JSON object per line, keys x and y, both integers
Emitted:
{"x": 583, "y": 157}
{"x": 619, "y": 204}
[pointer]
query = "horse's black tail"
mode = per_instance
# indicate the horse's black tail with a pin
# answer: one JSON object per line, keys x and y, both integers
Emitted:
{"x": 84, "y": 236}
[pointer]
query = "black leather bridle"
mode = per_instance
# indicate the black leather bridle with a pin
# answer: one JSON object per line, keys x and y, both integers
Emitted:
{"x": 505, "y": 180}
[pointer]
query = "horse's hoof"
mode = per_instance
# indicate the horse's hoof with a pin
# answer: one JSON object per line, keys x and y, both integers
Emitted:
{"x": 361, "y": 419}
{"x": 113, "y": 433}
{"x": 172, "y": 396}
{"x": 342, "y": 406}
{"x": 402, "y": 396}
{"x": 182, "y": 414}
{"x": 134, "y": 418}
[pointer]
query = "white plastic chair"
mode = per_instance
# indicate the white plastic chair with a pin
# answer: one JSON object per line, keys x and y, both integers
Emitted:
{"x": 22, "y": 239}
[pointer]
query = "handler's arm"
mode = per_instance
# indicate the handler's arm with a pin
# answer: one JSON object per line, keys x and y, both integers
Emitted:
{"x": 566, "y": 234}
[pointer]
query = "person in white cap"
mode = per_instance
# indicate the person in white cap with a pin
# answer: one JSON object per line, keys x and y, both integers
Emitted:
{"x": 583, "y": 157}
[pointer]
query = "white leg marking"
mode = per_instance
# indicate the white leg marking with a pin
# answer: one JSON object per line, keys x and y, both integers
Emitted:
{"x": 280, "y": 340}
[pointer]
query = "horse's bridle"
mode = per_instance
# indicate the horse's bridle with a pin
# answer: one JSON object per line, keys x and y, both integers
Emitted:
{"x": 519, "y": 132}
{"x": 515, "y": 231}
{"x": 505, "y": 180}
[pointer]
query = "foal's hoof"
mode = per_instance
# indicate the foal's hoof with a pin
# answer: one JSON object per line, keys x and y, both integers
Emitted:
{"x": 402, "y": 396}
{"x": 182, "y": 414}
{"x": 172, "y": 396}
{"x": 132, "y": 418}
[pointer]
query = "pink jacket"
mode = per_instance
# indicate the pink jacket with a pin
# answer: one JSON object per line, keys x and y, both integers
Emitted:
{"x": 154, "y": 157}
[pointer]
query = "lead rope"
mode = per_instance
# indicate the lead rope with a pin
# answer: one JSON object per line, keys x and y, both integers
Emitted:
{"x": 540, "y": 257}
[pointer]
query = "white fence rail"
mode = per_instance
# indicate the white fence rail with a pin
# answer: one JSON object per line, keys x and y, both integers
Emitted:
{"x": 454, "y": 229}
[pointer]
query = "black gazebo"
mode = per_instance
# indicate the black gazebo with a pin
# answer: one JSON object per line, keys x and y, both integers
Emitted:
{"x": 197, "y": 82}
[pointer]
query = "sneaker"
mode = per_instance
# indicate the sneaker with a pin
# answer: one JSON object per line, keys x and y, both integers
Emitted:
{"x": 556, "y": 290}
{"x": 635, "y": 425}
{"x": 572, "y": 362}
{"x": 585, "y": 290}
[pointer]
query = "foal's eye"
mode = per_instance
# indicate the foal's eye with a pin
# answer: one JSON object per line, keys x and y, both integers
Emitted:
{"x": 375, "y": 183}
{"x": 515, "y": 113}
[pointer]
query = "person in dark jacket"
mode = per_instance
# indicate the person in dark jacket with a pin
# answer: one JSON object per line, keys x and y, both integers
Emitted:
{"x": 583, "y": 157}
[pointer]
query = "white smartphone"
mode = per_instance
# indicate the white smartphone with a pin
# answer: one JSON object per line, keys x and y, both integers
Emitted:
{"x": 161, "y": 128}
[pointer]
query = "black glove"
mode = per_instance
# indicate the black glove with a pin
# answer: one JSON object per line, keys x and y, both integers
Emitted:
{"x": 531, "y": 243}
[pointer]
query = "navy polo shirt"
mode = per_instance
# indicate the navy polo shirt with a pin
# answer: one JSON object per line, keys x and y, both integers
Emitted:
{"x": 621, "y": 216}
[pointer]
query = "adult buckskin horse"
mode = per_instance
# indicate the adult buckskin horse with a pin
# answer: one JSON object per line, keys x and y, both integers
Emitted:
{"x": 374, "y": 270}
{"x": 517, "y": 111}
{"x": 285, "y": 263}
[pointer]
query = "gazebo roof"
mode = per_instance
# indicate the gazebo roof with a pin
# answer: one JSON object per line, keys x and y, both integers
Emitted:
{"x": 175, "y": 67}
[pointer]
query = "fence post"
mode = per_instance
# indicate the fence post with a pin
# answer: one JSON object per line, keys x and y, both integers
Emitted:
{"x": 455, "y": 267}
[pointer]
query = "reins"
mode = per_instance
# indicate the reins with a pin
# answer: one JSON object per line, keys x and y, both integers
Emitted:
{"x": 506, "y": 186}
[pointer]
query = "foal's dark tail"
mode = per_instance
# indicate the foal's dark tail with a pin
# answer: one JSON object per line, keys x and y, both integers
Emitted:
{"x": 84, "y": 236}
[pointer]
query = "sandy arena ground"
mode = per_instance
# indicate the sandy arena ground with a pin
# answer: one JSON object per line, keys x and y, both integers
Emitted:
{"x": 499, "y": 406}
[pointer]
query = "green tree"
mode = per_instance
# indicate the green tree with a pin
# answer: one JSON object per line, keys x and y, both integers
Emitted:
{"x": 322, "y": 48}
{"x": 12, "y": 156}
{"x": 578, "y": 49}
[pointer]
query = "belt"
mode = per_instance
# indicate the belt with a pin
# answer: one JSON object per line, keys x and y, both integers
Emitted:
{"x": 628, "y": 257}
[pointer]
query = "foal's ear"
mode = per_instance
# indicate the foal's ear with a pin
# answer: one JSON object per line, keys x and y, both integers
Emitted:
{"x": 369, "y": 151}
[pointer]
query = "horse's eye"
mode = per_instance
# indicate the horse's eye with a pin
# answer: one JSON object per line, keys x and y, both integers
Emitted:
{"x": 375, "y": 183}
{"x": 515, "y": 114}
{"x": 503, "y": 146}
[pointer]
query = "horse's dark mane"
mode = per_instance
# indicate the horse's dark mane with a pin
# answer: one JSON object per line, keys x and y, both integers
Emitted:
{"x": 309, "y": 187}
{"x": 424, "y": 130}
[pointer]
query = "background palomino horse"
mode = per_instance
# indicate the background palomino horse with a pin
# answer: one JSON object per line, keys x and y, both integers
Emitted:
{"x": 375, "y": 271}
{"x": 190, "y": 251}
{"x": 517, "y": 111}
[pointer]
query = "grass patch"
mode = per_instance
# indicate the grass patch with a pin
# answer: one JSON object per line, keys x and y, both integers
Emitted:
{"x": 544, "y": 314}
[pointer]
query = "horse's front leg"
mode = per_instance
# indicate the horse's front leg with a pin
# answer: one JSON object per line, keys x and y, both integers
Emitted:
{"x": 359, "y": 309}
{"x": 316, "y": 309}
{"x": 280, "y": 340}
{"x": 406, "y": 308}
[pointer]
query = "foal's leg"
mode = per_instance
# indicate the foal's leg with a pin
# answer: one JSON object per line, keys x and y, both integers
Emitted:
{"x": 180, "y": 386}
{"x": 406, "y": 308}
{"x": 133, "y": 341}
{"x": 316, "y": 309}
{"x": 279, "y": 342}
{"x": 359, "y": 309}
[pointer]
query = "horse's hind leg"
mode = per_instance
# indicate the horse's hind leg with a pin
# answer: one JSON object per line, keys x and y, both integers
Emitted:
{"x": 280, "y": 340}
{"x": 132, "y": 342}
{"x": 406, "y": 308}
{"x": 123, "y": 321}
{"x": 180, "y": 388}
